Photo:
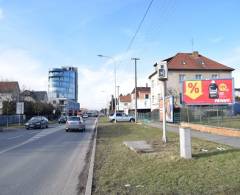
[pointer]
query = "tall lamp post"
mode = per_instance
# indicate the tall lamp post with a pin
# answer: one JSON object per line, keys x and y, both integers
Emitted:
{"x": 115, "y": 82}
{"x": 135, "y": 60}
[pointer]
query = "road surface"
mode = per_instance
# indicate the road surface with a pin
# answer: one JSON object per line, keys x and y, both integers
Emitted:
{"x": 47, "y": 161}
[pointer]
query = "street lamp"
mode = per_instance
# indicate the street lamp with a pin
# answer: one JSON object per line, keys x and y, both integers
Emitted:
{"x": 115, "y": 82}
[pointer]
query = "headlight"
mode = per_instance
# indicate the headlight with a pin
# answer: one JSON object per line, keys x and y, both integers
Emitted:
{"x": 26, "y": 123}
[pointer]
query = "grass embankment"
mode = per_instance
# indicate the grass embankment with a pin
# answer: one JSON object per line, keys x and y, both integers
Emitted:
{"x": 212, "y": 172}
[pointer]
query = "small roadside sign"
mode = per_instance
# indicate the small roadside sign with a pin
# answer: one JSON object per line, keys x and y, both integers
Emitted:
{"x": 20, "y": 108}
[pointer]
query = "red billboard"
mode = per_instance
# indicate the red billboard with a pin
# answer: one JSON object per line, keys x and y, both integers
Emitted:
{"x": 205, "y": 92}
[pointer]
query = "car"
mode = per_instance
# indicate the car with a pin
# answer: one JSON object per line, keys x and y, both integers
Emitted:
{"x": 75, "y": 123}
{"x": 121, "y": 117}
{"x": 62, "y": 119}
{"x": 92, "y": 114}
{"x": 85, "y": 115}
{"x": 37, "y": 122}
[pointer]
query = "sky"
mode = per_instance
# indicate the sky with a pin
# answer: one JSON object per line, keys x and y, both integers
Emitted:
{"x": 36, "y": 36}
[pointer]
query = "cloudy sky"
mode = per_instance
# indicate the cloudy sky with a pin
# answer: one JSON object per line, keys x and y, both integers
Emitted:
{"x": 38, "y": 35}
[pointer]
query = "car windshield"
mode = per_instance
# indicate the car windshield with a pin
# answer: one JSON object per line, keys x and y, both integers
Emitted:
{"x": 34, "y": 120}
{"x": 74, "y": 118}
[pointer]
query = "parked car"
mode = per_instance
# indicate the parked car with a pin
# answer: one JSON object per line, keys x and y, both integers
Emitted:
{"x": 39, "y": 122}
{"x": 75, "y": 123}
{"x": 62, "y": 119}
{"x": 121, "y": 117}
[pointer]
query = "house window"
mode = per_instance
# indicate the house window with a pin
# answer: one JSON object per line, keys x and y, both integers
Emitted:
{"x": 125, "y": 104}
{"x": 152, "y": 83}
{"x": 198, "y": 76}
{"x": 181, "y": 78}
{"x": 146, "y": 96}
{"x": 153, "y": 99}
{"x": 214, "y": 76}
{"x": 159, "y": 96}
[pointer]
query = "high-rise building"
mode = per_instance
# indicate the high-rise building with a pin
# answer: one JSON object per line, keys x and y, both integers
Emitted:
{"x": 63, "y": 88}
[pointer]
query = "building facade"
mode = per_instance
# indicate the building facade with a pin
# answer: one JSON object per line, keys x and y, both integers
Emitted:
{"x": 63, "y": 88}
{"x": 34, "y": 96}
{"x": 143, "y": 99}
{"x": 9, "y": 91}
{"x": 185, "y": 66}
{"x": 125, "y": 103}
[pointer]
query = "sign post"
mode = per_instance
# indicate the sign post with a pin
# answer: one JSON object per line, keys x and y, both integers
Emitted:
{"x": 19, "y": 110}
{"x": 162, "y": 76}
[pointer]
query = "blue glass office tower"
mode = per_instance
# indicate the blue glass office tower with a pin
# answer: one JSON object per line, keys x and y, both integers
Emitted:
{"x": 63, "y": 86}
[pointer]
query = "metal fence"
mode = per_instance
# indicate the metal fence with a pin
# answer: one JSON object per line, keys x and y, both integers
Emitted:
{"x": 214, "y": 115}
{"x": 11, "y": 119}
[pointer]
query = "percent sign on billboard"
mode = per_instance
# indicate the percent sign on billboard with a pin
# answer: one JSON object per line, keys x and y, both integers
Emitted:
{"x": 215, "y": 91}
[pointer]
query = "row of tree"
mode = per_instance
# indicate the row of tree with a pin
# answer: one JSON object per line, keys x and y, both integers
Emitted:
{"x": 32, "y": 109}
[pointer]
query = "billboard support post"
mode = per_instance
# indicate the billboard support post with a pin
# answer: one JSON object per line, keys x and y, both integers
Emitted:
{"x": 164, "y": 136}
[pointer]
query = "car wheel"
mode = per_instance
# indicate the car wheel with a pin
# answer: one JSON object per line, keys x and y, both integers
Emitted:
{"x": 66, "y": 130}
{"x": 46, "y": 126}
{"x": 132, "y": 120}
{"x": 27, "y": 128}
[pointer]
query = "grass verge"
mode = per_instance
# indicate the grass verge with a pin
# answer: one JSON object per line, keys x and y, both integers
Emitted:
{"x": 118, "y": 170}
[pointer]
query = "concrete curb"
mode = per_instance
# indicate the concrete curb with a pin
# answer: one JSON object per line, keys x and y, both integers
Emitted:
{"x": 88, "y": 190}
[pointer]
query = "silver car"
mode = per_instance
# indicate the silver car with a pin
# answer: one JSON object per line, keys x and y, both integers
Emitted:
{"x": 121, "y": 117}
{"x": 75, "y": 123}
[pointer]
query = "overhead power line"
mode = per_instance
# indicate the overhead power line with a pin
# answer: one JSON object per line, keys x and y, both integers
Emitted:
{"x": 140, "y": 25}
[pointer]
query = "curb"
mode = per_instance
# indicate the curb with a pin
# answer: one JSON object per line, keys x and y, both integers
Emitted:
{"x": 88, "y": 190}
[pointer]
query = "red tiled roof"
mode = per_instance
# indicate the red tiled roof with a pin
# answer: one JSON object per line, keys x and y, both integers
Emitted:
{"x": 125, "y": 98}
{"x": 193, "y": 61}
{"x": 142, "y": 89}
{"x": 7, "y": 87}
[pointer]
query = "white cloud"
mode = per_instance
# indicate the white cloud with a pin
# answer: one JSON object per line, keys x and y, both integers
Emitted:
{"x": 97, "y": 86}
{"x": 233, "y": 59}
{"x": 1, "y": 14}
{"x": 18, "y": 65}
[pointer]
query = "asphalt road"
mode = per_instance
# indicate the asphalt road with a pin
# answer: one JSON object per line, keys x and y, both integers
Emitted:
{"x": 46, "y": 161}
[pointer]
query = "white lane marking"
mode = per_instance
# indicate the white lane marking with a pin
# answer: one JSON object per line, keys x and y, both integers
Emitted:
{"x": 15, "y": 137}
{"x": 34, "y": 138}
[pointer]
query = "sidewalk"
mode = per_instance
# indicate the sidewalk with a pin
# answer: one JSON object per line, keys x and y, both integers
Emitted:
{"x": 231, "y": 141}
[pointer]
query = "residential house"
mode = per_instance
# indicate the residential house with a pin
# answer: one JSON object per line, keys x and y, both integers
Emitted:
{"x": 143, "y": 99}
{"x": 185, "y": 66}
{"x": 34, "y": 96}
{"x": 9, "y": 91}
{"x": 125, "y": 103}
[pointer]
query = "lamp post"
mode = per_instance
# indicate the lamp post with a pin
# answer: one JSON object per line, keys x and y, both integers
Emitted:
{"x": 115, "y": 82}
{"x": 135, "y": 60}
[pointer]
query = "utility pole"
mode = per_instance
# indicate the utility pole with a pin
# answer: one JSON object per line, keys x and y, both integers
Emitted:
{"x": 135, "y": 60}
{"x": 118, "y": 97}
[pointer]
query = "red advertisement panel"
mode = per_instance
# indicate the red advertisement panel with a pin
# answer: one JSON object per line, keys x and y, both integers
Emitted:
{"x": 200, "y": 92}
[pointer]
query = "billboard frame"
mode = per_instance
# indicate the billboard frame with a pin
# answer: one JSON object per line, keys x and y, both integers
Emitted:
{"x": 207, "y": 104}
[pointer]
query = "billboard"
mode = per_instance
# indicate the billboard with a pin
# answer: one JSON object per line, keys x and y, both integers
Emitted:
{"x": 169, "y": 103}
{"x": 206, "y": 92}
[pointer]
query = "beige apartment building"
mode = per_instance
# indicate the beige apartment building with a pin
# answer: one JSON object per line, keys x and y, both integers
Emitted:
{"x": 185, "y": 66}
